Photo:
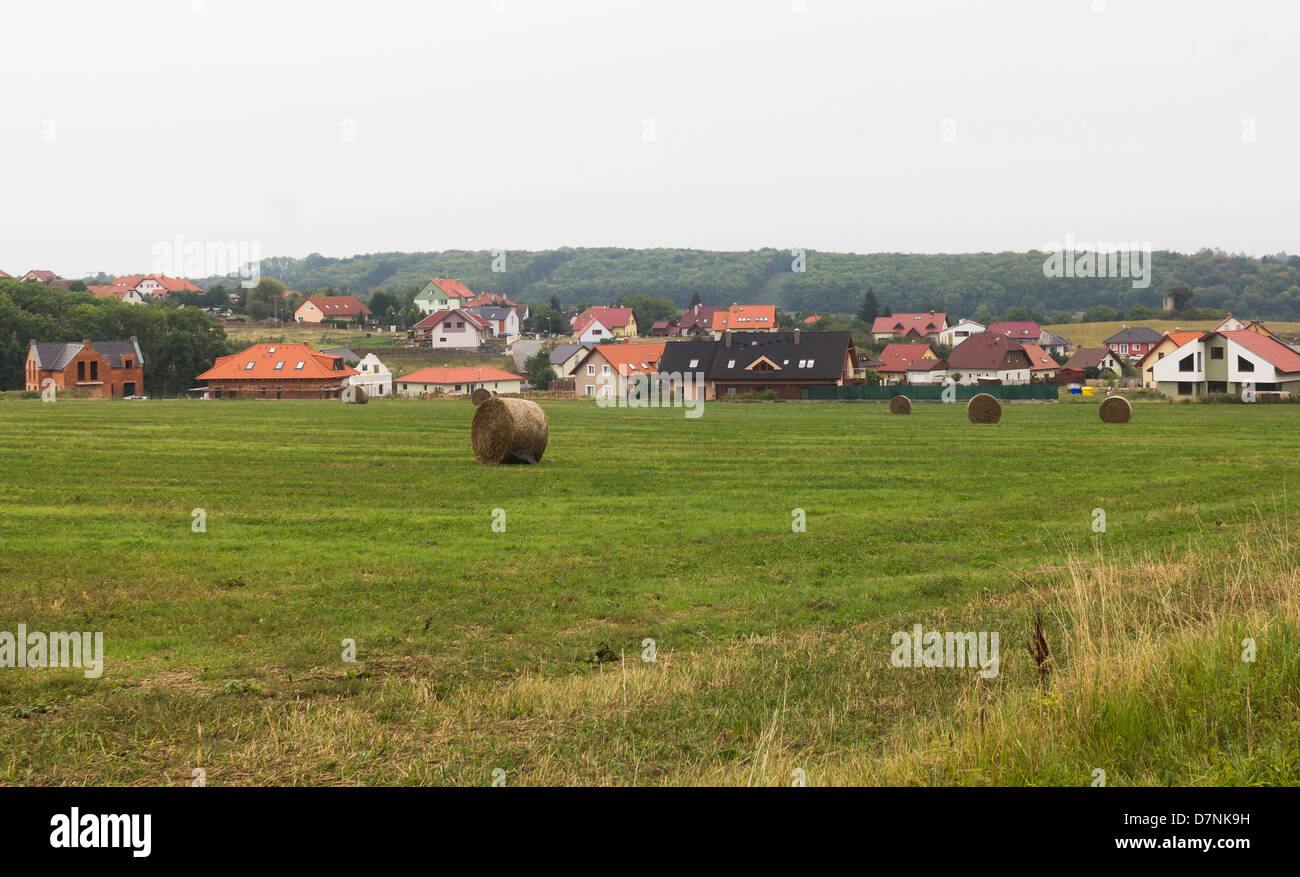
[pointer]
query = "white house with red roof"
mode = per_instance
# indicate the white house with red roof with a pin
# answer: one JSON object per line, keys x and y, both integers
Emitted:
{"x": 332, "y": 309}
{"x": 126, "y": 294}
{"x": 456, "y": 381}
{"x": 746, "y": 318}
{"x": 1229, "y": 361}
{"x": 598, "y": 324}
{"x": 155, "y": 284}
{"x": 457, "y": 327}
{"x": 921, "y": 327}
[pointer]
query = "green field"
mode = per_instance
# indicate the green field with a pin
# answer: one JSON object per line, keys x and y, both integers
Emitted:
{"x": 479, "y": 650}
{"x": 1094, "y": 334}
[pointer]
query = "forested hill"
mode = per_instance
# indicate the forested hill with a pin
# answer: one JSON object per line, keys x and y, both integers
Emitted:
{"x": 993, "y": 283}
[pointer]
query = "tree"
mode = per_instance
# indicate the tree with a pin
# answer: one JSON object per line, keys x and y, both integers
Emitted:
{"x": 648, "y": 310}
{"x": 870, "y": 308}
{"x": 695, "y": 300}
{"x": 537, "y": 369}
{"x": 544, "y": 319}
{"x": 1099, "y": 314}
{"x": 381, "y": 303}
{"x": 266, "y": 299}
{"x": 555, "y": 304}
{"x": 1181, "y": 294}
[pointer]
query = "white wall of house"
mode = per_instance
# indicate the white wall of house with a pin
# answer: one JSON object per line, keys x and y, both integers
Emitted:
{"x": 455, "y": 331}
{"x": 954, "y": 335}
{"x": 375, "y": 377}
{"x": 1006, "y": 376}
{"x": 406, "y": 388}
{"x": 595, "y": 333}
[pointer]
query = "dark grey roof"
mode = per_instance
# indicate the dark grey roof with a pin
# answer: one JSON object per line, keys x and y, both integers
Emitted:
{"x": 678, "y": 356}
{"x": 57, "y": 354}
{"x": 344, "y": 353}
{"x": 492, "y": 313}
{"x": 562, "y": 352}
{"x": 1140, "y": 334}
{"x": 1051, "y": 338}
{"x": 826, "y": 351}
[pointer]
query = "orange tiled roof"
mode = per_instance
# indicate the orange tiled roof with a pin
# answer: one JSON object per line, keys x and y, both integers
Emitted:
{"x": 630, "y": 359}
{"x": 264, "y": 357}
{"x": 746, "y": 318}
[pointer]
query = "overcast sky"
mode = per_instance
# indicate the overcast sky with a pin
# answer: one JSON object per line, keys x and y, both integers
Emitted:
{"x": 918, "y": 126}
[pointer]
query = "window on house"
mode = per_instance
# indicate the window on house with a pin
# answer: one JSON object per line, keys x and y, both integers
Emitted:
{"x": 1184, "y": 388}
{"x": 248, "y": 366}
{"x": 1216, "y": 353}
{"x": 591, "y": 389}
{"x": 460, "y": 324}
{"x": 811, "y": 363}
{"x": 81, "y": 371}
{"x": 300, "y": 364}
{"x": 604, "y": 369}
{"x": 607, "y": 390}
{"x": 591, "y": 369}
{"x": 1187, "y": 364}
{"x": 1123, "y": 348}
{"x": 731, "y": 363}
{"x": 279, "y": 365}
{"x": 442, "y": 340}
{"x": 694, "y": 363}
{"x": 270, "y": 350}
{"x": 1243, "y": 364}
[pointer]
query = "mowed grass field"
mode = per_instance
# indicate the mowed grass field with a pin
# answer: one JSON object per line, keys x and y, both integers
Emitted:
{"x": 480, "y": 651}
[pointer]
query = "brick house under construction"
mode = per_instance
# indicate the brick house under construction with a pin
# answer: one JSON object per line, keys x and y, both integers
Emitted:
{"x": 107, "y": 369}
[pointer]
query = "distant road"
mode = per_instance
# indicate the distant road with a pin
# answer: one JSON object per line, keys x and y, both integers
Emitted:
{"x": 524, "y": 348}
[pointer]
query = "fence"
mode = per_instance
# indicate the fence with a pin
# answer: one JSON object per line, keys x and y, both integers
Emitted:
{"x": 934, "y": 392}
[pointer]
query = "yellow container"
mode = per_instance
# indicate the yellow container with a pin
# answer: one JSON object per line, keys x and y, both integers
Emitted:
{"x": 1087, "y": 391}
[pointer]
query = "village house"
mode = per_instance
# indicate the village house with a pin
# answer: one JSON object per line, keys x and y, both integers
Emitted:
{"x": 598, "y": 324}
{"x": 786, "y": 362}
{"x": 374, "y": 377}
{"x": 276, "y": 371}
{"x": 332, "y": 310}
{"x": 460, "y": 381}
{"x": 662, "y": 328}
{"x": 920, "y": 327}
{"x": 503, "y": 322}
{"x": 1054, "y": 344}
{"x": 1132, "y": 342}
{"x": 606, "y": 369}
{"x": 104, "y": 369}
{"x": 1042, "y": 366}
{"x": 956, "y": 334}
{"x": 497, "y": 300}
{"x": 350, "y": 357}
{"x": 1166, "y": 345}
{"x": 989, "y": 358}
{"x": 454, "y": 328}
{"x": 156, "y": 285}
{"x": 746, "y": 318}
{"x": 698, "y": 320}
{"x": 1098, "y": 358}
{"x": 1228, "y": 362}
{"x": 565, "y": 358}
{"x": 1017, "y": 330}
{"x": 37, "y": 275}
{"x": 441, "y": 294}
{"x": 897, "y": 358}
{"x": 126, "y": 294}
{"x": 684, "y": 370}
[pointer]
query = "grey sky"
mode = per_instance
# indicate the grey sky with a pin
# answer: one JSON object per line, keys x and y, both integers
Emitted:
{"x": 522, "y": 125}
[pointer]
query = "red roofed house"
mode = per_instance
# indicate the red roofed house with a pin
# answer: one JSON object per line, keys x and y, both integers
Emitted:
{"x": 698, "y": 320}
{"x": 121, "y": 293}
{"x": 441, "y": 294}
{"x": 38, "y": 276}
{"x": 155, "y": 284}
{"x": 599, "y": 324}
{"x": 896, "y": 359}
{"x": 1042, "y": 367}
{"x": 1018, "y": 331}
{"x": 1229, "y": 361}
{"x": 456, "y": 381}
{"x": 457, "y": 327}
{"x": 107, "y": 369}
{"x": 989, "y": 358}
{"x": 922, "y": 327}
{"x": 1166, "y": 345}
{"x": 332, "y": 309}
{"x": 277, "y": 371}
{"x": 746, "y": 318}
{"x": 605, "y": 370}
{"x": 4, "y": 274}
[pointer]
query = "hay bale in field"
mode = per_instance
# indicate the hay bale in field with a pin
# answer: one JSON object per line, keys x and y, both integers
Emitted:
{"x": 900, "y": 405}
{"x": 481, "y": 395}
{"x": 983, "y": 408}
{"x": 508, "y": 431}
{"x": 1116, "y": 409}
{"x": 355, "y": 395}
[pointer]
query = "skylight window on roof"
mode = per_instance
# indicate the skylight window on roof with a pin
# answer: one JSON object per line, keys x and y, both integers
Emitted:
{"x": 803, "y": 363}
{"x": 731, "y": 363}
{"x": 300, "y": 364}
{"x": 270, "y": 350}
{"x": 694, "y": 363}
{"x": 249, "y": 366}
{"x": 279, "y": 365}
{"x": 810, "y": 363}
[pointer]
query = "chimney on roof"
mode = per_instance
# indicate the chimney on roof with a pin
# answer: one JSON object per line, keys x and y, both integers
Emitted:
{"x": 796, "y": 337}
{"x": 726, "y": 337}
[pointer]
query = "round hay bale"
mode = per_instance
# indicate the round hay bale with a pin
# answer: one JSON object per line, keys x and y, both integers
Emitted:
{"x": 983, "y": 408}
{"x": 481, "y": 395}
{"x": 355, "y": 395}
{"x": 507, "y": 430}
{"x": 1116, "y": 409}
{"x": 900, "y": 405}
